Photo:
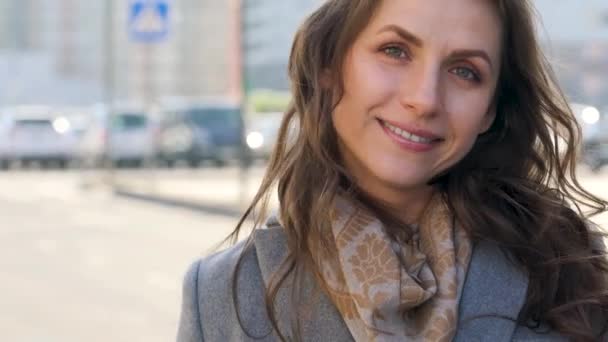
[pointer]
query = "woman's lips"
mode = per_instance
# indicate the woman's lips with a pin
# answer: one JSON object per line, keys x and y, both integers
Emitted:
{"x": 426, "y": 134}
{"x": 411, "y": 139}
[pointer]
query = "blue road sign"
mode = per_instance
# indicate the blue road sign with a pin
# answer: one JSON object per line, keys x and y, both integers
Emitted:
{"x": 149, "y": 20}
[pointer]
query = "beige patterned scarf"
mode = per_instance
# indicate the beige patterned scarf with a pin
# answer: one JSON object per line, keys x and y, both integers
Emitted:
{"x": 387, "y": 291}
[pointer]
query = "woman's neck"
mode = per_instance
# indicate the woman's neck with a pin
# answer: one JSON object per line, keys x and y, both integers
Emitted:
{"x": 408, "y": 205}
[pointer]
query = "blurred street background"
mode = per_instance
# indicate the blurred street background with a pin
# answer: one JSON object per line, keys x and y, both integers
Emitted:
{"x": 134, "y": 132}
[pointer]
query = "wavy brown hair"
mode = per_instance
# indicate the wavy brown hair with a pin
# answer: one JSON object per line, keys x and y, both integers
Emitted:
{"x": 515, "y": 188}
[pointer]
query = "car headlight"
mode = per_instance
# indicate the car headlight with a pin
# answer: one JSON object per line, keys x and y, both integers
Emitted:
{"x": 591, "y": 115}
{"x": 255, "y": 140}
{"x": 61, "y": 125}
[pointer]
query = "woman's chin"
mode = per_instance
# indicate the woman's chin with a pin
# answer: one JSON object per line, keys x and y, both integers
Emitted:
{"x": 406, "y": 182}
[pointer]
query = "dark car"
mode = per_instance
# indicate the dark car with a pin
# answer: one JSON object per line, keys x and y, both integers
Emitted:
{"x": 197, "y": 133}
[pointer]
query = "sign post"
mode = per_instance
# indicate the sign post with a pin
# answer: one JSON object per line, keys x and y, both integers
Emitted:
{"x": 149, "y": 23}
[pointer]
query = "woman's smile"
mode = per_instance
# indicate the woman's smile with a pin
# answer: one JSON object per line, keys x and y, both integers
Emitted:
{"x": 411, "y": 139}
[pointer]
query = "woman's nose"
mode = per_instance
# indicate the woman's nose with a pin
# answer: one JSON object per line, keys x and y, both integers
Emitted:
{"x": 420, "y": 91}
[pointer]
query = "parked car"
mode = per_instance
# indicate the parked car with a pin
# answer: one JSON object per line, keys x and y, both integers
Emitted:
{"x": 125, "y": 137}
{"x": 194, "y": 133}
{"x": 35, "y": 134}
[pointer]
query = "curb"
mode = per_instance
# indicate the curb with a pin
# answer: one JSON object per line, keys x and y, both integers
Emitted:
{"x": 202, "y": 207}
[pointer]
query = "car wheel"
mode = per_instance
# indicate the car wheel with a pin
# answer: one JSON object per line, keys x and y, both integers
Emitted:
{"x": 194, "y": 163}
{"x": 137, "y": 163}
{"x": 45, "y": 164}
{"x": 219, "y": 162}
{"x": 62, "y": 164}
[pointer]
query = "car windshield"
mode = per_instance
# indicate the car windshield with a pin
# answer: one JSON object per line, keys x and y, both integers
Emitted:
{"x": 127, "y": 121}
{"x": 213, "y": 117}
{"x": 34, "y": 123}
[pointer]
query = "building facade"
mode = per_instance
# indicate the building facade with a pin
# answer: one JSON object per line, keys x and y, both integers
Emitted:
{"x": 268, "y": 30}
{"x": 85, "y": 48}
{"x": 575, "y": 34}
{"x": 191, "y": 62}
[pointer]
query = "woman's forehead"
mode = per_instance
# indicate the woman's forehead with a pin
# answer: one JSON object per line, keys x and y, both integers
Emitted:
{"x": 460, "y": 24}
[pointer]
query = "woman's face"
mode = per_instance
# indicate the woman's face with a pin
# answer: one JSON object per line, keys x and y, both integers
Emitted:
{"x": 418, "y": 87}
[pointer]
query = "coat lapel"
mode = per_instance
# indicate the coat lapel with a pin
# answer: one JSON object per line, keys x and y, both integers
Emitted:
{"x": 494, "y": 292}
{"x": 321, "y": 320}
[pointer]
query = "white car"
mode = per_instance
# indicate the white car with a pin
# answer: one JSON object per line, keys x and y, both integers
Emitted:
{"x": 126, "y": 138}
{"x": 35, "y": 134}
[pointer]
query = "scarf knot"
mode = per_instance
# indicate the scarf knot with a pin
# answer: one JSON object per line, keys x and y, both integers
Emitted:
{"x": 390, "y": 291}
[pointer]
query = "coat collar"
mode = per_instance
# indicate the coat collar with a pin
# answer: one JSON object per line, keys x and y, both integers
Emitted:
{"x": 494, "y": 292}
{"x": 324, "y": 322}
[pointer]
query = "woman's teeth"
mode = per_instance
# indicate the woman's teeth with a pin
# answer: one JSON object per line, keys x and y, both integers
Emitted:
{"x": 407, "y": 135}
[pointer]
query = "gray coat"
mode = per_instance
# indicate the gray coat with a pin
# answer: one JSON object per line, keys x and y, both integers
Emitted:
{"x": 493, "y": 287}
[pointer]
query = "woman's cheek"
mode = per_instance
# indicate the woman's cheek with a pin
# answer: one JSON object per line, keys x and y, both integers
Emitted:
{"x": 375, "y": 77}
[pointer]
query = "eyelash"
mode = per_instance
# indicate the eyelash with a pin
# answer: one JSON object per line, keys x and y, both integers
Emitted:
{"x": 474, "y": 74}
{"x": 475, "y": 77}
{"x": 386, "y": 49}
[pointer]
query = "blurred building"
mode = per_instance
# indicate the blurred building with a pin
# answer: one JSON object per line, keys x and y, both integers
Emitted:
{"x": 12, "y": 33}
{"x": 194, "y": 60}
{"x": 269, "y": 27}
{"x": 81, "y": 52}
{"x": 24, "y": 24}
{"x": 74, "y": 31}
{"x": 574, "y": 21}
{"x": 576, "y": 38}
{"x": 46, "y": 51}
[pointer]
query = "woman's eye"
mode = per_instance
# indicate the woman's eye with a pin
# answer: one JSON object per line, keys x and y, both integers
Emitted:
{"x": 466, "y": 74}
{"x": 395, "y": 52}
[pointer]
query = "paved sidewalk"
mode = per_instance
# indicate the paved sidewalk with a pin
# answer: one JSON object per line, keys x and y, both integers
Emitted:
{"x": 223, "y": 191}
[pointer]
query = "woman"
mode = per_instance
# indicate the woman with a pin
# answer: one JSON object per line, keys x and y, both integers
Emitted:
{"x": 422, "y": 195}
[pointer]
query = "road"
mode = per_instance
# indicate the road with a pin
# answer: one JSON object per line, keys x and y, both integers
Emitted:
{"x": 80, "y": 264}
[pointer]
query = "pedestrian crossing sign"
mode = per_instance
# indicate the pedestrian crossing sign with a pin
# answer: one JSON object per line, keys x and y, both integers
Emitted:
{"x": 148, "y": 20}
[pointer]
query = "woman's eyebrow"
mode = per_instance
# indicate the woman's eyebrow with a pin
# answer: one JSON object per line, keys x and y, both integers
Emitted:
{"x": 403, "y": 33}
{"x": 467, "y": 53}
{"x": 416, "y": 41}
